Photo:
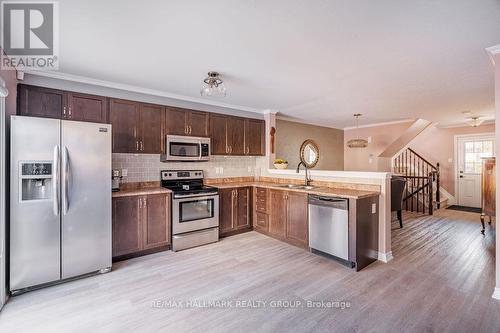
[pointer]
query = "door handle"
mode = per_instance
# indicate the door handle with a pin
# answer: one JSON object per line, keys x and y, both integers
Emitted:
{"x": 66, "y": 178}
{"x": 55, "y": 182}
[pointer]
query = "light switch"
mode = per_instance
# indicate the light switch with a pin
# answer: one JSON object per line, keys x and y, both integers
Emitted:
{"x": 374, "y": 208}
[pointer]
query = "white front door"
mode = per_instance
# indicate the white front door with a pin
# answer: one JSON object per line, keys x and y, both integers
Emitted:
{"x": 470, "y": 152}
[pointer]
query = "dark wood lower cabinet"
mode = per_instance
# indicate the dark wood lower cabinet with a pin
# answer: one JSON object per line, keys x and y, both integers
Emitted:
{"x": 234, "y": 211}
{"x": 156, "y": 226}
{"x": 282, "y": 215}
{"x": 277, "y": 214}
{"x": 297, "y": 226}
{"x": 140, "y": 224}
{"x": 127, "y": 228}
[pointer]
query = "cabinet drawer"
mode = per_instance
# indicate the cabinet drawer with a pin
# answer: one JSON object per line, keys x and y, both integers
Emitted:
{"x": 261, "y": 206}
{"x": 261, "y": 221}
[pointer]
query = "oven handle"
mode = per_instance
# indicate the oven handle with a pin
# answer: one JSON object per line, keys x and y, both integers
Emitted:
{"x": 188, "y": 196}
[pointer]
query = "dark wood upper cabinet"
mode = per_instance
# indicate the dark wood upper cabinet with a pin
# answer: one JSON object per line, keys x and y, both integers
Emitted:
{"x": 151, "y": 122}
{"x": 278, "y": 213}
{"x": 175, "y": 121}
{"x": 236, "y": 135}
{"x": 296, "y": 219}
{"x": 254, "y": 137}
{"x": 137, "y": 127}
{"x": 41, "y": 102}
{"x": 186, "y": 122}
{"x": 127, "y": 228}
{"x": 198, "y": 123}
{"x": 218, "y": 135}
{"x": 52, "y": 103}
{"x": 156, "y": 229}
{"x": 124, "y": 117}
{"x": 141, "y": 127}
{"x": 83, "y": 107}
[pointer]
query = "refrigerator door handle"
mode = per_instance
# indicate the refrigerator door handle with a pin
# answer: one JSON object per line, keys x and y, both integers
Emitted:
{"x": 66, "y": 181}
{"x": 55, "y": 182}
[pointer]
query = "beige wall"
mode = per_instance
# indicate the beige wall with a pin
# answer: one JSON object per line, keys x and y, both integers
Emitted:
{"x": 438, "y": 145}
{"x": 434, "y": 144}
{"x": 289, "y": 138}
{"x": 365, "y": 159}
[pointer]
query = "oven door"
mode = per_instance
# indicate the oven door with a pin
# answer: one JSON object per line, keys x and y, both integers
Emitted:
{"x": 195, "y": 213}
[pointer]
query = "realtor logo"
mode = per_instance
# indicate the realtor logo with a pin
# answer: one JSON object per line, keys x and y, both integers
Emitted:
{"x": 29, "y": 35}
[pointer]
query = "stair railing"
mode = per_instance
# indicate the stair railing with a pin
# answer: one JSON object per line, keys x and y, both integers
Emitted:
{"x": 420, "y": 175}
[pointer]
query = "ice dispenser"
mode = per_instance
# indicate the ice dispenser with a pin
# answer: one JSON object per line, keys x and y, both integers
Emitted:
{"x": 36, "y": 181}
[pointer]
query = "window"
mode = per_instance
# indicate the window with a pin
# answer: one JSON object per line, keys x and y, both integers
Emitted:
{"x": 474, "y": 152}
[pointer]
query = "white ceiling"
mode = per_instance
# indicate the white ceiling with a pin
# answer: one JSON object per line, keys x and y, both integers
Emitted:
{"x": 320, "y": 61}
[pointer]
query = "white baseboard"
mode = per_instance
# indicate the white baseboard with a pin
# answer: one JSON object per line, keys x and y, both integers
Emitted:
{"x": 496, "y": 293}
{"x": 385, "y": 257}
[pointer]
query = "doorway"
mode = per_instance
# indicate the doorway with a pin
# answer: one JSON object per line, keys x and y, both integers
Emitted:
{"x": 469, "y": 152}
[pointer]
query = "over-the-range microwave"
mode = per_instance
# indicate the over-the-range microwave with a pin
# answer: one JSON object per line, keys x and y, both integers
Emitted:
{"x": 186, "y": 148}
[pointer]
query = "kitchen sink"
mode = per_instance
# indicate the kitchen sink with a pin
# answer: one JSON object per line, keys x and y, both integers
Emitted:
{"x": 296, "y": 186}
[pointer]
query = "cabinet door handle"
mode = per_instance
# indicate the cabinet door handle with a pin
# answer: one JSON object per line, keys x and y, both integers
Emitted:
{"x": 64, "y": 112}
{"x": 140, "y": 203}
{"x": 137, "y": 145}
{"x": 186, "y": 130}
{"x": 230, "y": 149}
{"x": 145, "y": 202}
{"x": 69, "y": 111}
{"x": 142, "y": 145}
{"x": 248, "y": 150}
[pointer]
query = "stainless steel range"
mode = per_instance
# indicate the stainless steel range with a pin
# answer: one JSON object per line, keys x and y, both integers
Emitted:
{"x": 195, "y": 208}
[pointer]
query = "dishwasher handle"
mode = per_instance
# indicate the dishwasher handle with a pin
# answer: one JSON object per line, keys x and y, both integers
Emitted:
{"x": 333, "y": 202}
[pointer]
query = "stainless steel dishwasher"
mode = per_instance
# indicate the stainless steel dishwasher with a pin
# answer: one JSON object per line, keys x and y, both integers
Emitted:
{"x": 328, "y": 225}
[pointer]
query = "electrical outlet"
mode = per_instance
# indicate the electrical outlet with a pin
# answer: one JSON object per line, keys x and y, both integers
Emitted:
{"x": 374, "y": 208}
{"x": 249, "y": 168}
{"x": 124, "y": 172}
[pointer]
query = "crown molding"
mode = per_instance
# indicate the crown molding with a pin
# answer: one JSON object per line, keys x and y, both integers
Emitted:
{"x": 380, "y": 124}
{"x": 306, "y": 122}
{"x": 493, "y": 51}
{"x": 137, "y": 89}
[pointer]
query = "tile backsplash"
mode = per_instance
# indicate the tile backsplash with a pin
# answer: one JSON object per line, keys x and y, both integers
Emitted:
{"x": 146, "y": 167}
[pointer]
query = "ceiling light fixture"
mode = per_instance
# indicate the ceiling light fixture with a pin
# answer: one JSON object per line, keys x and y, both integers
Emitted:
{"x": 357, "y": 143}
{"x": 213, "y": 85}
{"x": 475, "y": 121}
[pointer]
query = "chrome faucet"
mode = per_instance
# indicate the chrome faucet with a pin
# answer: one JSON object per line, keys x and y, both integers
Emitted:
{"x": 307, "y": 180}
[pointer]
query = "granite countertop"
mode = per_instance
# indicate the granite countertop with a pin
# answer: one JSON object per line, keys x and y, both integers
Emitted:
{"x": 327, "y": 191}
{"x": 140, "y": 191}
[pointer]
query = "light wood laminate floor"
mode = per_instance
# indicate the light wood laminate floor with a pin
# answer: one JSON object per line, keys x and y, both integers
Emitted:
{"x": 441, "y": 279}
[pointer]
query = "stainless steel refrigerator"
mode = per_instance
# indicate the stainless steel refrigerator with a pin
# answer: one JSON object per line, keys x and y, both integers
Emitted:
{"x": 60, "y": 200}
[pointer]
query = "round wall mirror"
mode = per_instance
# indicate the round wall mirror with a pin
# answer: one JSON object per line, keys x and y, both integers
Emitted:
{"x": 309, "y": 153}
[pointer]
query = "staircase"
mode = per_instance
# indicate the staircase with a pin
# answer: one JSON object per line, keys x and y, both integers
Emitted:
{"x": 422, "y": 192}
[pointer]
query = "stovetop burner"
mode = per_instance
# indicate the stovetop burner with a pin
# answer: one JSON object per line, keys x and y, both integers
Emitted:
{"x": 185, "y": 182}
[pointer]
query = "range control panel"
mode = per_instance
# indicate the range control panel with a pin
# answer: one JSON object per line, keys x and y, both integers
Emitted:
{"x": 181, "y": 174}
